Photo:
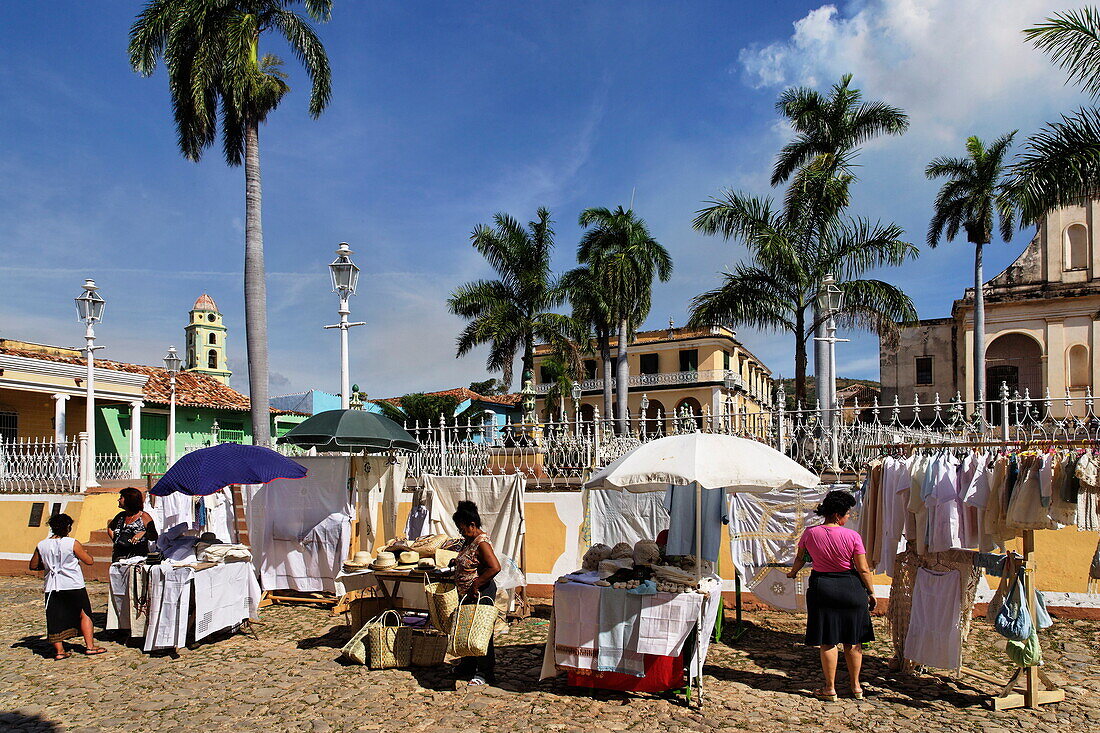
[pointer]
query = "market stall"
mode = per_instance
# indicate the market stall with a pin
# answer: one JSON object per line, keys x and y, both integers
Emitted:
{"x": 647, "y": 614}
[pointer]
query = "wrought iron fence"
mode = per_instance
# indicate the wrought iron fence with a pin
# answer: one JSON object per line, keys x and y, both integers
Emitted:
{"x": 117, "y": 467}
{"x": 39, "y": 465}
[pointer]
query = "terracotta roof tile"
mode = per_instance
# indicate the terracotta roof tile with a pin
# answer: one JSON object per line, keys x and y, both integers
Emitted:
{"x": 193, "y": 389}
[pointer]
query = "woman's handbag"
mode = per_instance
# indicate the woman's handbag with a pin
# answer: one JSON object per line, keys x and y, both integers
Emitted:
{"x": 390, "y": 642}
{"x": 442, "y": 604}
{"x": 473, "y": 628}
{"x": 1013, "y": 621}
{"x": 1025, "y": 653}
{"x": 355, "y": 651}
{"x": 429, "y": 648}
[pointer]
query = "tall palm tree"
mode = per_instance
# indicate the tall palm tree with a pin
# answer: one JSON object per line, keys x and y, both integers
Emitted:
{"x": 216, "y": 73}
{"x": 777, "y": 290}
{"x": 977, "y": 190}
{"x": 511, "y": 312}
{"x": 1060, "y": 165}
{"x": 624, "y": 258}
{"x": 592, "y": 316}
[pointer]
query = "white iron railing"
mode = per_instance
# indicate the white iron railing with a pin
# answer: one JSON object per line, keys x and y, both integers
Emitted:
{"x": 39, "y": 465}
{"x": 727, "y": 377}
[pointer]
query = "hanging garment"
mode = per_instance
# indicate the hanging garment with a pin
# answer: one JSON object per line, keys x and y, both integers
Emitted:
{"x": 418, "y": 522}
{"x": 916, "y": 506}
{"x": 895, "y": 495}
{"x": 1063, "y": 511}
{"x": 300, "y": 530}
{"x": 871, "y": 516}
{"x": 1025, "y": 508}
{"x": 935, "y": 636}
{"x": 764, "y": 529}
{"x": 993, "y": 520}
{"x": 944, "y": 506}
{"x": 169, "y": 601}
{"x": 225, "y": 595}
{"x": 624, "y": 516}
{"x": 713, "y": 515}
{"x": 174, "y": 514}
{"x": 220, "y": 518}
{"x": 1088, "y": 509}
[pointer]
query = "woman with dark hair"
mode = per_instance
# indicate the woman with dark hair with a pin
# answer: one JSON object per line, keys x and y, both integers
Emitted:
{"x": 841, "y": 595}
{"x": 68, "y": 610}
{"x": 475, "y": 567}
{"x": 132, "y": 529}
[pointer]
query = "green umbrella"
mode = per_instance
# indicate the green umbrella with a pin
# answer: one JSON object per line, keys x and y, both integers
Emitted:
{"x": 349, "y": 430}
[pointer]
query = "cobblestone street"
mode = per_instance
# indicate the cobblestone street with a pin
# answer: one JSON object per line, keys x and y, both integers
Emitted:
{"x": 287, "y": 678}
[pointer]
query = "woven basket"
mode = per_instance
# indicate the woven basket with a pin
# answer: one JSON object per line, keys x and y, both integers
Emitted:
{"x": 442, "y": 603}
{"x": 429, "y": 648}
{"x": 390, "y": 643}
{"x": 360, "y": 606}
{"x": 473, "y": 628}
{"x": 427, "y": 546}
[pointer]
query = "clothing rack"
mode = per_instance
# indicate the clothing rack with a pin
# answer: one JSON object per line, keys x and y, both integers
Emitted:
{"x": 1036, "y": 687}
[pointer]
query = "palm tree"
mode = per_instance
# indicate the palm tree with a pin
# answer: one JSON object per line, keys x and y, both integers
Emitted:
{"x": 829, "y": 129}
{"x": 511, "y": 312}
{"x": 1060, "y": 165}
{"x": 978, "y": 188}
{"x": 592, "y": 316}
{"x": 777, "y": 290}
{"x": 624, "y": 258}
{"x": 215, "y": 72}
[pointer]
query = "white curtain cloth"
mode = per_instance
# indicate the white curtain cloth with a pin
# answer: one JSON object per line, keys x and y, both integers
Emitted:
{"x": 219, "y": 515}
{"x": 300, "y": 529}
{"x": 173, "y": 514}
{"x": 499, "y": 501}
{"x": 225, "y": 595}
{"x": 380, "y": 482}
{"x": 623, "y": 516}
{"x": 169, "y": 603}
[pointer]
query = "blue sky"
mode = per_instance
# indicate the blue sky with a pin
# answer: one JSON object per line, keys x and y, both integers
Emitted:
{"x": 444, "y": 113}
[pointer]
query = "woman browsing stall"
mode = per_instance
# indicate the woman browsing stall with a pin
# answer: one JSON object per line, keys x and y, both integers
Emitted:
{"x": 475, "y": 567}
{"x": 132, "y": 529}
{"x": 841, "y": 595}
{"x": 68, "y": 610}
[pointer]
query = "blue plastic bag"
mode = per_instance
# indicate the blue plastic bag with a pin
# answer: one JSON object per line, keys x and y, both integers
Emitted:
{"x": 1013, "y": 621}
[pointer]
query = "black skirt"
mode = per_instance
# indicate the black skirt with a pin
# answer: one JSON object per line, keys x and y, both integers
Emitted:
{"x": 837, "y": 610}
{"x": 63, "y": 609}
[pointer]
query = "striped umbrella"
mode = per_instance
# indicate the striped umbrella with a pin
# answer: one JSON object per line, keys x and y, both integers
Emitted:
{"x": 207, "y": 470}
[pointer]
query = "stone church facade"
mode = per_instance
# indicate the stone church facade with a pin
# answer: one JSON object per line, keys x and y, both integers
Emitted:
{"x": 1041, "y": 331}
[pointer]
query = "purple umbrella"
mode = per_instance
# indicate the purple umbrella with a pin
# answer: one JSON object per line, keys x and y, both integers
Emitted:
{"x": 205, "y": 471}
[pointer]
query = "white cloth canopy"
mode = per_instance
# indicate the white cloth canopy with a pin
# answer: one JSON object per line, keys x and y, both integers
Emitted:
{"x": 713, "y": 461}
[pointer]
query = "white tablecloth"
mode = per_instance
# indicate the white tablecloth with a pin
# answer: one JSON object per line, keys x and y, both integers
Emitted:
{"x": 221, "y": 596}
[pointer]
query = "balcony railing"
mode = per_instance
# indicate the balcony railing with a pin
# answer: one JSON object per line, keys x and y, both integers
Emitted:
{"x": 39, "y": 465}
{"x": 728, "y": 377}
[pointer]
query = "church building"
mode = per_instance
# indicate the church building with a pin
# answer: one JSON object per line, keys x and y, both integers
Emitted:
{"x": 1041, "y": 329}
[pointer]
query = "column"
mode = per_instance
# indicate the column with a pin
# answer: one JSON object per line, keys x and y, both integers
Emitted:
{"x": 1054, "y": 360}
{"x": 59, "y": 434}
{"x": 993, "y": 390}
{"x": 135, "y": 438}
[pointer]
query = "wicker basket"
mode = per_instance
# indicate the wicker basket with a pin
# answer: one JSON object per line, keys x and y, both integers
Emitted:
{"x": 429, "y": 648}
{"x": 427, "y": 546}
{"x": 390, "y": 643}
{"x": 442, "y": 603}
{"x": 360, "y": 606}
{"x": 473, "y": 628}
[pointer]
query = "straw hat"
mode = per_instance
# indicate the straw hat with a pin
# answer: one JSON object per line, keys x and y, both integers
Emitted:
{"x": 384, "y": 561}
{"x": 408, "y": 559}
{"x": 426, "y": 563}
{"x": 359, "y": 561}
{"x": 443, "y": 558}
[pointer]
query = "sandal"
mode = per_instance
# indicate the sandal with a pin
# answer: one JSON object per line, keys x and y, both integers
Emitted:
{"x": 825, "y": 696}
{"x": 477, "y": 682}
{"x": 857, "y": 693}
{"x": 62, "y": 655}
{"x": 94, "y": 650}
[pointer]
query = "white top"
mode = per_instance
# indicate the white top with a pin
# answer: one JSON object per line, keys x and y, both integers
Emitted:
{"x": 61, "y": 564}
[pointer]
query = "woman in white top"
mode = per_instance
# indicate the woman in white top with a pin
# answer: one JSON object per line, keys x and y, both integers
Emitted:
{"x": 68, "y": 610}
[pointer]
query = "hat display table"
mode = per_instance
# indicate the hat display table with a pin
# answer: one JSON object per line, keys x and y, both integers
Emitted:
{"x": 166, "y": 605}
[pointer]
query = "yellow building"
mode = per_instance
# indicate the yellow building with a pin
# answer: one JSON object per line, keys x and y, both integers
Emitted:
{"x": 705, "y": 371}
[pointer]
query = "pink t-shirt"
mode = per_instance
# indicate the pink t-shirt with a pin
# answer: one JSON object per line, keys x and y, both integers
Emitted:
{"x": 831, "y": 547}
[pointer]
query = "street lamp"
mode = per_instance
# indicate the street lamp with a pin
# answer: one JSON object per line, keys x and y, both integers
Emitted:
{"x": 345, "y": 276}
{"x": 576, "y": 394}
{"x": 89, "y": 306}
{"x": 172, "y": 366}
{"x": 645, "y": 411}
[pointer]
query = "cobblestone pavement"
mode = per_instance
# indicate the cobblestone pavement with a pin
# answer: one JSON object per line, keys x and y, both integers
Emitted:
{"x": 288, "y": 678}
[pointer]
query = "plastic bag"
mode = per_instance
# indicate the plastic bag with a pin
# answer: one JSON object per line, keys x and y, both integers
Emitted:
{"x": 510, "y": 576}
{"x": 1025, "y": 653}
{"x": 1013, "y": 621}
{"x": 1042, "y": 617}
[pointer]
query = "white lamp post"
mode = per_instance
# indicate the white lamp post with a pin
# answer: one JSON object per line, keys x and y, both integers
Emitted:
{"x": 172, "y": 366}
{"x": 89, "y": 306}
{"x": 345, "y": 276}
{"x": 830, "y": 299}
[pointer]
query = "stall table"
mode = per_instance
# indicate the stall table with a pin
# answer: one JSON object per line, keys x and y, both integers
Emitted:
{"x": 180, "y": 601}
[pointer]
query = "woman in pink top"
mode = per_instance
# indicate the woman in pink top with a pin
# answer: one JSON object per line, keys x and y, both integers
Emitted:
{"x": 841, "y": 596}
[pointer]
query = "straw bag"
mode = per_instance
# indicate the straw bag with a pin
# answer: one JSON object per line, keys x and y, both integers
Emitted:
{"x": 473, "y": 628}
{"x": 355, "y": 651}
{"x": 442, "y": 603}
{"x": 429, "y": 648}
{"x": 390, "y": 645}
{"x": 427, "y": 545}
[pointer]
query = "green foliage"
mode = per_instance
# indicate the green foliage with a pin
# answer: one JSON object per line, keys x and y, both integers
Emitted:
{"x": 513, "y": 311}
{"x": 977, "y": 190}
{"x": 489, "y": 387}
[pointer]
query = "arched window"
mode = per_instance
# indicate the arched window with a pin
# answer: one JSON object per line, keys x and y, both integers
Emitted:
{"x": 212, "y": 359}
{"x": 213, "y": 339}
{"x": 689, "y": 409}
{"x": 1075, "y": 247}
{"x": 1077, "y": 365}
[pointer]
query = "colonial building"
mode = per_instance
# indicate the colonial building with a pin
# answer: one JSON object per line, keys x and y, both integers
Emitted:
{"x": 1042, "y": 325}
{"x": 672, "y": 369}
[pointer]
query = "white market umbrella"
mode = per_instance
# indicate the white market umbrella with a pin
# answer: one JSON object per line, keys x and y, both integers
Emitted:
{"x": 712, "y": 461}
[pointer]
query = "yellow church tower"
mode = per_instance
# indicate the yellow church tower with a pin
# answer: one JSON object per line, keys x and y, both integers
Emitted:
{"x": 205, "y": 338}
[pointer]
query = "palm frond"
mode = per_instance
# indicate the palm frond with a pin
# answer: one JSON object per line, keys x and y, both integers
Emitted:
{"x": 1059, "y": 165}
{"x": 1072, "y": 40}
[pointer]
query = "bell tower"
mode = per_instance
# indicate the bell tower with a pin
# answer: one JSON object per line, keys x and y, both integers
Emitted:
{"x": 205, "y": 338}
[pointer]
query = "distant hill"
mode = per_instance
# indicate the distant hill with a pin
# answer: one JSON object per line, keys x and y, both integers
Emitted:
{"x": 811, "y": 388}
